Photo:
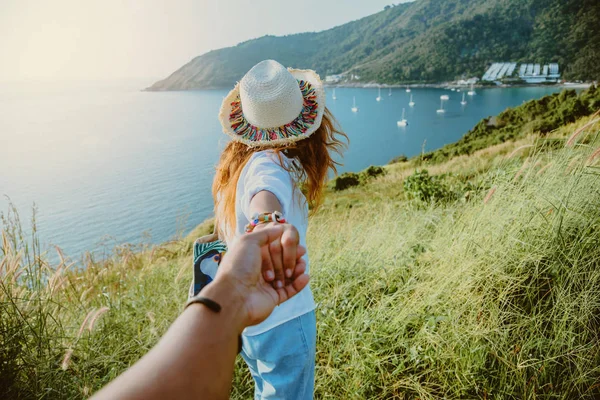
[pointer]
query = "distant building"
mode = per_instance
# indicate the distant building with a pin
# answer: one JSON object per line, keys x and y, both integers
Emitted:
{"x": 467, "y": 82}
{"x": 334, "y": 78}
{"x": 530, "y": 73}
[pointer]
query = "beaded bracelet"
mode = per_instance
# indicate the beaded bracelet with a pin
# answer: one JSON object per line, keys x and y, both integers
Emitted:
{"x": 265, "y": 218}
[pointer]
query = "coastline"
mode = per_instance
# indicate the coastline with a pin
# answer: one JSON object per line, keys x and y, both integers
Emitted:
{"x": 367, "y": 85}
{"x": 452, "y": 85}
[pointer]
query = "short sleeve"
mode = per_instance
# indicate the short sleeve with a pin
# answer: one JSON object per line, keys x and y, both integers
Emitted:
{"x": 266, "y": 173}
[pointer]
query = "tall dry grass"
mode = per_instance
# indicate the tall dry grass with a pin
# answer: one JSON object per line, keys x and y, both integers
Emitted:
{"x": 67, "y": 329}
{"x": 495, "y": 296}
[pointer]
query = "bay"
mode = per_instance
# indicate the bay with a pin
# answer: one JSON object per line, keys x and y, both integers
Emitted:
{"x": 106, "y": 163}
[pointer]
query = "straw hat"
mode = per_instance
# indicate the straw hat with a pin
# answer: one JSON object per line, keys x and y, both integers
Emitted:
{"x": 273, "y": 106}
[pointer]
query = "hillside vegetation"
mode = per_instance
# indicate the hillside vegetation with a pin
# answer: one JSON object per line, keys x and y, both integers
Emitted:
{"x": 474, "y": 276}
{"x": 422, "y": 41}
{"x": 540, "y": 115}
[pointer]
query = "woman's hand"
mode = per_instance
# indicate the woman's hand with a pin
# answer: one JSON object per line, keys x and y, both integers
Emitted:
{"x": 279, "y": 257}
{"x": 256, "y": 252}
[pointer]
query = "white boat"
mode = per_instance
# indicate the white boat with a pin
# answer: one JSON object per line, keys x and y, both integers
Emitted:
{"x": 441, "y": 110}
{"x": 390, "y": 92}
{"x": 407, "y": 89}
{"x": 463, "y": 102}
{"x": 333, "y": 96}
{"x": 445, "y": 97}
{"x": 453, "y": 89}
{"x": 403, "y": 121}
{"x": 411, "y": 102}
{"x": 378, "y": 95}
{"x": 471, "y": 92}
{"x": 354, "y": 108}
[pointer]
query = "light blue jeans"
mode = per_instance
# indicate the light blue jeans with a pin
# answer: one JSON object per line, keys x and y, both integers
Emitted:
{"x": 282, "y": 360}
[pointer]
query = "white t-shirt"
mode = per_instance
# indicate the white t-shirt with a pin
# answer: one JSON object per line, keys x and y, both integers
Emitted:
{"x": 264, "y": 172}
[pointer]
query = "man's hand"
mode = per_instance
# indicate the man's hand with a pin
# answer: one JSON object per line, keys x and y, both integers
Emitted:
{"x": 242, "y": 267}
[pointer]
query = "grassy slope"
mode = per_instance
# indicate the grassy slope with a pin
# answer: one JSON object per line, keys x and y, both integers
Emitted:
{"x": 469, "y": 299}
{"x": 460, "y": 299}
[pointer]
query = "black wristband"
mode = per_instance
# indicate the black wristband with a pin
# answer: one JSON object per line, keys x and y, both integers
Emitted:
{"x": 212, "y": 306}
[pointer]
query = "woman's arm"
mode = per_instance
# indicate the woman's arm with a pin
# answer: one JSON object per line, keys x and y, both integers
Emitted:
{"x": 265, "y": 201}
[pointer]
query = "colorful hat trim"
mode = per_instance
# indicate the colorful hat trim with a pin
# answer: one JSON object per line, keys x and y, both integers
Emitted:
{"x": 297, "y": 127}
{"x": 311, "y": 96}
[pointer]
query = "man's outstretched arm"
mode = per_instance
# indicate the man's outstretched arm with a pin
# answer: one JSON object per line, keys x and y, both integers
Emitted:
{"x": 195, "y": 358}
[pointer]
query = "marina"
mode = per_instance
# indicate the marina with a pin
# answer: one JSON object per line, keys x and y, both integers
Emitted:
{"x": 528, "y": 73}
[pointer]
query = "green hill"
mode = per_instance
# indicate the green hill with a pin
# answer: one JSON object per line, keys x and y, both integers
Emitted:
{"x": 473, "y": 273}
{"x": 422, "y": 41}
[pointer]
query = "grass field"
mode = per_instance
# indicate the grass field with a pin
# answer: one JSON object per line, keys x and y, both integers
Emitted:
{"x": 490, "y": 288}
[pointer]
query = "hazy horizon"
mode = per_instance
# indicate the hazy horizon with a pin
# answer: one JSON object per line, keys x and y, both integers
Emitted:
{"x": 67, "y": 40}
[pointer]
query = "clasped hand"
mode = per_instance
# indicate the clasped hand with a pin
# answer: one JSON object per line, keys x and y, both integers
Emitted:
{"x": 255, "y": 265}
{"x": 279, "y": 257}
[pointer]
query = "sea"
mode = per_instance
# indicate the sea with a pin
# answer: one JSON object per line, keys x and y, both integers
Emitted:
{"x": 105, "y": 163}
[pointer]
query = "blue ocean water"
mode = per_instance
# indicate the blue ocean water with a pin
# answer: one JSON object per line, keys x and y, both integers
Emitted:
{"x": 106, "y": 163}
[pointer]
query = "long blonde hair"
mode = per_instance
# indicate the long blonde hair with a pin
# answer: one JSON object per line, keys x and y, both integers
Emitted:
{"x": 311, "y": 161}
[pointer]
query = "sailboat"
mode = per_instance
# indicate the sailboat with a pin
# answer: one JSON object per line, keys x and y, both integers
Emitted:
{"x": 441, "y": 110}
{"x": 390, "y": 92}
{"x": 334, "y": 97}
{"x": 411, "y": 102}
{"x": 445, "y": 97}
{"x": 354, "y": 108}
{"x": 463, "y": 102}
{"x": 407, "y": 89}
{"x": 379, "y": 95}
{"x": 403, "y": 121}
{"x": 471, "y": 92}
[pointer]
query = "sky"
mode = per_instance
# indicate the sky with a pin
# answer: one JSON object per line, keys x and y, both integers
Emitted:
{"x": 114, "y": 39}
